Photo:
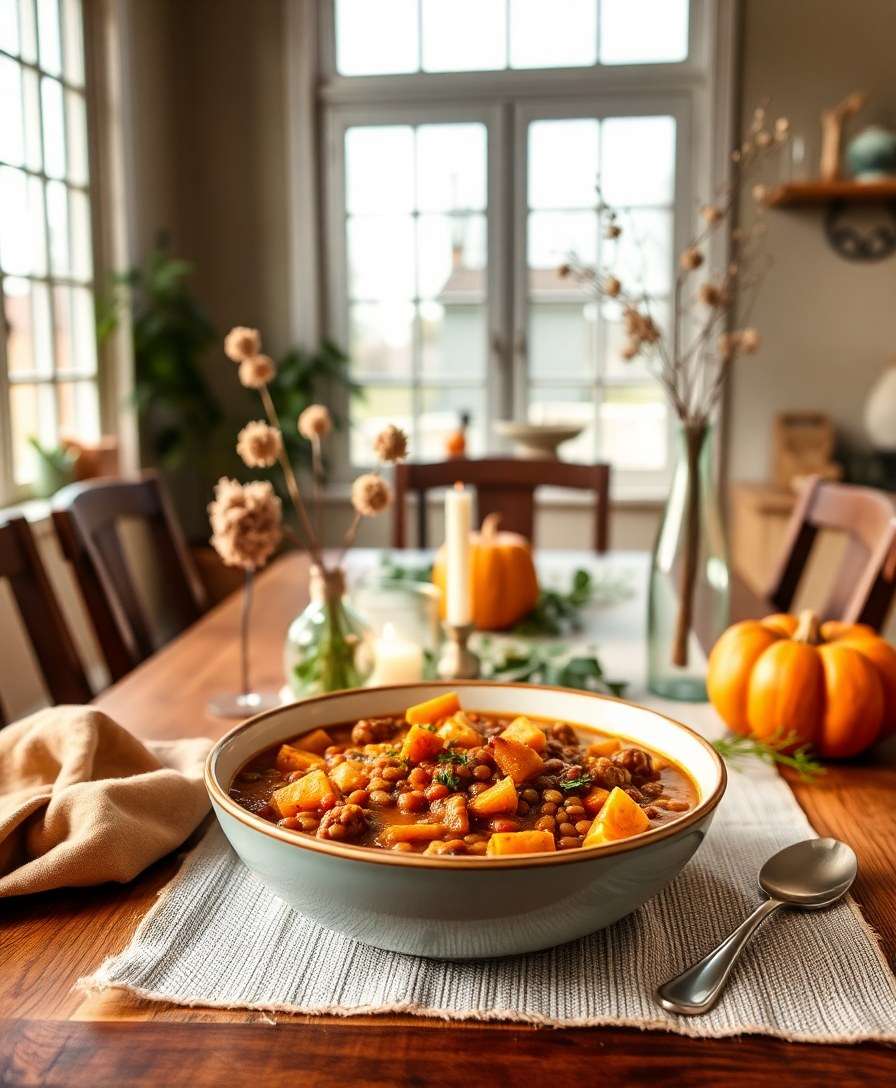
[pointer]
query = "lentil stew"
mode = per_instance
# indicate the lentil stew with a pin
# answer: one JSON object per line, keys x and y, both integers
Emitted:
{"x": 441, "y": 780}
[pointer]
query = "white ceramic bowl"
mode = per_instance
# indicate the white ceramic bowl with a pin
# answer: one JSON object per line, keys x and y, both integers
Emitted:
{"x": 464, "y": 907}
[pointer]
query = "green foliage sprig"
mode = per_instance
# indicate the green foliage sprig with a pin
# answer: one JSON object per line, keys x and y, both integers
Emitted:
{"x": 781, "y": 750}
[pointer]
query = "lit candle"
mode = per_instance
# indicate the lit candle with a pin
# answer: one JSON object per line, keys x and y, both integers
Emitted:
{"x": 397, "y": 660}
{"x": 458, "y": 586}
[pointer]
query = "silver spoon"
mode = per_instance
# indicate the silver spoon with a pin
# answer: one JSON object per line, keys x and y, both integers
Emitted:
{"x": 810, "y": 875}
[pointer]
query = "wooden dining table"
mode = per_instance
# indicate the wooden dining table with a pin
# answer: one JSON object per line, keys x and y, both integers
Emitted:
{"x": 51, "y": 1033}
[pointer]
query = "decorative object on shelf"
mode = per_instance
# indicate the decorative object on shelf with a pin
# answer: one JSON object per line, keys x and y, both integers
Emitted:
{"x": 537, "y": 441}
{"x": 880, "y": 411}
{"x": 831, "y": 685}
{"x": 803, "y": 446}
{"x": 689, "y": 572}
{"x": 246, "y": 523}
{"x": 871, "y": 156}
{"x": 96, "y": 458}
{"x": 833, "y": 121}
{"x": 456, "y": 442}
{"x": 501, "y": 579}
{"x": 54, "y": 467}
{"x": 327, "y": 646}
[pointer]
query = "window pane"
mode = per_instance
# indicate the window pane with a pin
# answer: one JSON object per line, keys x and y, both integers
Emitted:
{"x": 379, "y": 168}
{"x": 63, "y": 346}
{"x": 643, "y": 252}
{"x": 20, "y": 358}
{"x": 451, "y": 257}
{"x": 57, "y": 221}
{"x": 73, "y": 44}
{"x": 33, "y": 414}
{"x": 54, "y": 127}
{"x": 376, "y": 36}
{"x": 453, "y": 340}
{"x": 79, "y": 210}
{"x": 9, "y": 26}
{"x": 559, "y": 34}
{"x": 380, "y": 338}
{"x": 31, "y": 91}
{"x": 563, "y": 163}
{"x": 381, "y": 405}
{"x": 562, "y": 340}
{"x": 27, "y": 31}
{"x": 633, "y": 426}
{"x": 451, "y": 167}
{"x": 553, "y": 236}
{"x": 48, "y": 36}
{"x": 76, "y": 137}
{"x": 78, "y": 411}
{"x": 83, "y": 331}
{"x": 381, "y": 257}
{"x": 464, "y": 35}
{"x": 643, "y": 31}
{"x": 12, "y": 139}
{"x": 21, "y": 219}
{"x": 638, "y": 160}
{"x": 573, "y": 405}
{"x": 440, "y": 413}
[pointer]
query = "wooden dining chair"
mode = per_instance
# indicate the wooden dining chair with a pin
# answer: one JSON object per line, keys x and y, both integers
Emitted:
{"x": 865, "y": 581}
{"x": 89, "y": 517}
{"x": 505, "y": 486}
{"x": 51, "y": 640}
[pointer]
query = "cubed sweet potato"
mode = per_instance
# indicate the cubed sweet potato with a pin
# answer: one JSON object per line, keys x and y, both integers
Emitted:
{"x": 516, "y": 759}
{"x": 520, "y": 842}
{"x": 433, "y": 710}
{"x": 349, "y": 776}
{"x": 458, "y": 732}
{"x": 452, "y": 813}
{"x": 526, "y": 732}
{"x": 420, "y": 744}
{"x": 593, "y": 800}
{"x": 604, "y": 747}
{"x": 620, "y": 818}
{"x": 296, "y": 759}
{"x": 501, "y": 797}
{"x": 319, "y": 740}
{"x": 394, "y": 833}
{"x": 314, "y": 791}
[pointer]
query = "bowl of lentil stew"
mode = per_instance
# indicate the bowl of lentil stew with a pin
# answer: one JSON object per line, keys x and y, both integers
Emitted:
{"x": 468, "y": 820}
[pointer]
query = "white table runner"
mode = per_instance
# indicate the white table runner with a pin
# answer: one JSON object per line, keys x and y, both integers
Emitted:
{"x": 218, "y": 937}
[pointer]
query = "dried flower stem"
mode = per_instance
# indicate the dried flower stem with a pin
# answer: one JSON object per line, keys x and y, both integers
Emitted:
{"x": 317, "y": 477}
{"x": 349, "y": 538}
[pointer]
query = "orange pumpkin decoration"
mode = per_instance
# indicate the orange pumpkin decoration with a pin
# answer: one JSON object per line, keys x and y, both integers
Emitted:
{"x": 831, "y": 685}
{"x": 505, "y": 586}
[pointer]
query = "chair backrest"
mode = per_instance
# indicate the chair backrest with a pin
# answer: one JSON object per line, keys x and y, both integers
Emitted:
{"x": 866, "y": 579}
{"x": 21, "y": 566}
{"x": 505, "y": 486}
{"x": 88, "y": 519}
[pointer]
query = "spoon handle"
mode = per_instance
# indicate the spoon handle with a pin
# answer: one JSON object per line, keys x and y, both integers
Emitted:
{"x": 698, "y": 988}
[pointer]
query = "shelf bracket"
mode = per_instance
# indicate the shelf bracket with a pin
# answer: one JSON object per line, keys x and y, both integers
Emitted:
{"x": 856, "y": 244}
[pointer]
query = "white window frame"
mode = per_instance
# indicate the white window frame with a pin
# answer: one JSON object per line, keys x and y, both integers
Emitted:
{"x": 698, "y": 92}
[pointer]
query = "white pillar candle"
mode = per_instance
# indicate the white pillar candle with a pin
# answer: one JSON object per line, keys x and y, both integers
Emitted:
{"x": 398, "y": 661}
{"x": 458, "y": 587}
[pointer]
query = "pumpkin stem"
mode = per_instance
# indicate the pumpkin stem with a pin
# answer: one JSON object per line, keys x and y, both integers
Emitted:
{"x": 489, "y": 529}
{"x": 808, "y": 628}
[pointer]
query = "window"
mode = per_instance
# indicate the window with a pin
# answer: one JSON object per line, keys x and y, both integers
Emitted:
{"x": 463, "y": 143}
{"x": 48, "y": 359}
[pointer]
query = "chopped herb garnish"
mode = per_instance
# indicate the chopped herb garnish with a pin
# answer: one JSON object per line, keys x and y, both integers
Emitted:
{"x": 430, "y": 728}
{"x": 452, "y": 755}
{"x": 447, "y": 778}
{"x": 576, "y": 783}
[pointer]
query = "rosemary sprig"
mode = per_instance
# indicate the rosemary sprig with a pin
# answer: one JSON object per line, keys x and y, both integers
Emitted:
{"x": 778, "y": 750}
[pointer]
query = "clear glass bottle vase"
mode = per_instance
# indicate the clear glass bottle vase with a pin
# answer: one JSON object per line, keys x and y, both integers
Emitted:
{"x": 689, "y": 582}
{"x": 328, "y": 646}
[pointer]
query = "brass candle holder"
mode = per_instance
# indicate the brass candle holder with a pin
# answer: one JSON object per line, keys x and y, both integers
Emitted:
{"x": 457, "y": 661}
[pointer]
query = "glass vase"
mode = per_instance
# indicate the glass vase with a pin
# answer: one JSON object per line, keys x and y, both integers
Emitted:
{"x": 689, "y": 584}
{"x": 328, "y": 647}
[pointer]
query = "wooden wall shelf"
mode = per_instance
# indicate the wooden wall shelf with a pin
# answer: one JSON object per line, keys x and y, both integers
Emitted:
{"x": 804, "y": 194}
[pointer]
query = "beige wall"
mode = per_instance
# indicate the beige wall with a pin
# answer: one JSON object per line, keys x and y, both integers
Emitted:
{"x": 828, "y": 325}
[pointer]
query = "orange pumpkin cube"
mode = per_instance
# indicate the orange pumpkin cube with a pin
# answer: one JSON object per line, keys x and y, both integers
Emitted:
{"x": 420, "y": 744}
{"x": 594, "y": 799}
{"x": 520, "y": 842}
{"x": 526, "y": 732}
{"x": 349, "y": 776}
{"x": 516, "y": 759}
{"x": 433, "y": 710}
{"x": 314, "y": 791}
{"x": 411, "y": 833}
{"x": 318, "y": 740}
{"x": 458, "y": 732}
{"x": 620, "y": 818}
{"x": 501, "y": 797}
{"x": 604, "y": 747}
{"x": 296, "y": 759}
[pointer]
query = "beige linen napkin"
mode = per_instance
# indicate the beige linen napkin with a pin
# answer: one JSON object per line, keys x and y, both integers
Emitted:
{"x": 82, "y": 801}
